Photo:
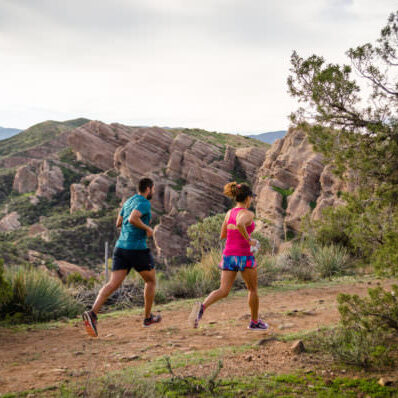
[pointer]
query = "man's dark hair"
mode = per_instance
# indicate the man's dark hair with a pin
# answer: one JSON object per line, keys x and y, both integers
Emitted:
{"x": 144, "y": 183}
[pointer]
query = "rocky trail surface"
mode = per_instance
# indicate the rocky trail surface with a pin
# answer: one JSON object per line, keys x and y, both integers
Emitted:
{"x": 35, "y": 358}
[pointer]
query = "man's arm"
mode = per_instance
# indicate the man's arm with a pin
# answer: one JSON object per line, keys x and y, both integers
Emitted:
{"x": 135, "y": 219}
{"x": 119, "y": 221}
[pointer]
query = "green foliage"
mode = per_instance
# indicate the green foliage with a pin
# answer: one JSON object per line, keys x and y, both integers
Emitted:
{"x": 194, "y": 280}
{"x": 356, "y": 346}
{"x": 81, "y": 244}
{"x": 285, "y": 194}
{"x": 222, "y": 139}
{"x": 10, "y": 252}
{"x": 204, "y": 235}
{"x": 37, "y": 297}
{"x": 329, "y": 260}
{"x": 179, "y": 184}
{"x": 378, "y": 311}
{"x": 296, "y": 262}
{"x": 360, "y": 142}
{"x": 37, "y": 135}
{"x": 6, "y": 183}
{"x": 5, "y": 287}
{"x": 75, "y": 279}
{"x": 238, "y": 173}
{"x": 364, "y": 336}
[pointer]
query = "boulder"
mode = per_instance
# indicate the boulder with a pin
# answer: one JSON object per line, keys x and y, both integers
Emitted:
{"x": 50, "y": 180}
{"x": 10, "y": 222}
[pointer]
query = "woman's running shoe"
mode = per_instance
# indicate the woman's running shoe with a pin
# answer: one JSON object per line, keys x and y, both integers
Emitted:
{"x": 90, "y": 322}
{"x": 152, "y": 319}
{"x": 196, "y": 314}
{"x": 258, "y": 326}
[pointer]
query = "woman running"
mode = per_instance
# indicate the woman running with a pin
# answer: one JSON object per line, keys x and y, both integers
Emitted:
{"x": 237, "y": 256}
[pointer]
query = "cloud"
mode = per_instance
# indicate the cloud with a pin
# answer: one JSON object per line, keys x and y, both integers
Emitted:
{"x": 217, "y": 64}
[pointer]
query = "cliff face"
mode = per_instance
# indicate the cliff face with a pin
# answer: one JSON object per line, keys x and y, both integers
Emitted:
{"x": 189, "y": 174}
{"x": 293, "y": 182}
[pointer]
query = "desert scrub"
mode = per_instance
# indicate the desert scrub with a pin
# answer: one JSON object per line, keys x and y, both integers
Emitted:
{"x": 296, "y": 263}
{"x": 37, "y": 297}
{"x": 379, "y": 310}
{"x": 195, "y": 280}
{"x": 204, "y": 236}
{"x": 367, "y": 331}
{"x": 5, "y": 287}
{"x": 356, "y": 346}
{"x": 329, "y": 260}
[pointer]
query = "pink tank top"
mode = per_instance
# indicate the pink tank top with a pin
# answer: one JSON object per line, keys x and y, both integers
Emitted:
{"x": 236, "y": 244}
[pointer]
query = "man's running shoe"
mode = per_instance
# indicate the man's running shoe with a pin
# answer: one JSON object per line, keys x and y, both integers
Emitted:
{"x": 152, "y": 319}
{"x": 90, "y": 322}
{"x": 196, "y": 314}
{"x": 258, "y": 326}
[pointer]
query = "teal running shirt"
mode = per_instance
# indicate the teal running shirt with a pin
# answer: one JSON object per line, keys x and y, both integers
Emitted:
{"x": 131, "y": 237}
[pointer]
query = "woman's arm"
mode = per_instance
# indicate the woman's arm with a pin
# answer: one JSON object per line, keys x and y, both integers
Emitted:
{"x": 243, "y": 219}
{"x": 223, "y": 234}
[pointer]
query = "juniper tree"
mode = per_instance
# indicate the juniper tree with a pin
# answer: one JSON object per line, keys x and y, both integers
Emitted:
{"x": 357, "y": 131}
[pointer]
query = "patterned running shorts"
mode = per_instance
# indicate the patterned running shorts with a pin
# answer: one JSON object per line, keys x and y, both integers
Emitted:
{"x": 237, "y": 263}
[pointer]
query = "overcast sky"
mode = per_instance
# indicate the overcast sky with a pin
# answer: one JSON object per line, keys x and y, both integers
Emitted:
{"x": 215, "y": 64}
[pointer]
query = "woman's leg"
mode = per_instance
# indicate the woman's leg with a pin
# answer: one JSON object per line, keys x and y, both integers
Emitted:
{"x": 227, "y": 280}
{"x": 249, "y": 275}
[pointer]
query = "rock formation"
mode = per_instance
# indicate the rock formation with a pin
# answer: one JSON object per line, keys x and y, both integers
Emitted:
{"x": 293, "y": 182}
{"x": 10, "y": 222}
{"x": 189, "y": 174}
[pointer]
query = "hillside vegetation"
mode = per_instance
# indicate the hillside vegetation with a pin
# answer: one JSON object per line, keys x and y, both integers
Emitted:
{"x": 37, "y": 135}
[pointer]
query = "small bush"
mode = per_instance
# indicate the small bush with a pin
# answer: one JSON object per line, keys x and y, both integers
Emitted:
{"x": 5, "y": 287}
{"x": 356, "y": 346}
{"x": 379, "y": 310}
{"x": 266, "y": 270}
{"x": 329, "y": 260}
{"x": 75, "y": 279}
{"x": 195, "y": 280}
{"x": 204, "y": 236}
{"x": 296, "y": 263}
{"x": 38, "y": 297}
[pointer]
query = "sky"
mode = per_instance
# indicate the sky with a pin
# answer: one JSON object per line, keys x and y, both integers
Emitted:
{"x": 219, "y": 65}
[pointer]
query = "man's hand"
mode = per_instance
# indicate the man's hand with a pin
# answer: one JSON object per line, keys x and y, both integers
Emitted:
{"x": 149, "y": 232}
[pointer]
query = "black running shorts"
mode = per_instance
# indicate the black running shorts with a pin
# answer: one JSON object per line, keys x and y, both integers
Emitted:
{"x": 140, "y": 260}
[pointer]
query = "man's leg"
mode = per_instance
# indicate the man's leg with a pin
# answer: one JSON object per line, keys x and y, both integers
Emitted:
{"x": 117, "y": 277}
{"x": 149, "y": 290}
{"x": 90, "y": 317}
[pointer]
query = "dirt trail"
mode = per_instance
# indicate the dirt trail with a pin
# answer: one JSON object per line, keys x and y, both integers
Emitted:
{"x": 41, "y": 358}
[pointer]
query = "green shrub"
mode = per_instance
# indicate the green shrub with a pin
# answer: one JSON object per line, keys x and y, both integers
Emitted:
{"x": 356, "y": 346}
{"x": 329, "y": 260}
{"x": 267, "y": 270}
{"x": 195, "y": 280}
{"x": 379, "y": 310}
{"x": 76, "y": 279}
{"x": 38, "y": 297}
{"x": 204, "y": 236}
{"x": 296, "y": 263}
{"x": 5, "y": 287}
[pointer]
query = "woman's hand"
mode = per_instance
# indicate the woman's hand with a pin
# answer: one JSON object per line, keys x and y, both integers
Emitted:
{"x": 253, "y": 242}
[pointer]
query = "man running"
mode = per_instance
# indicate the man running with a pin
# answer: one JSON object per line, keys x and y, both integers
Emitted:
{"x": 131, "y": 251}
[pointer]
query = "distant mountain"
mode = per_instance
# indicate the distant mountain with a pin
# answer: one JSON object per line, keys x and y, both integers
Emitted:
{"x": 37, "y": 135}
{"x": 7, "y": 132}
{"x": 270, "y": 137}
